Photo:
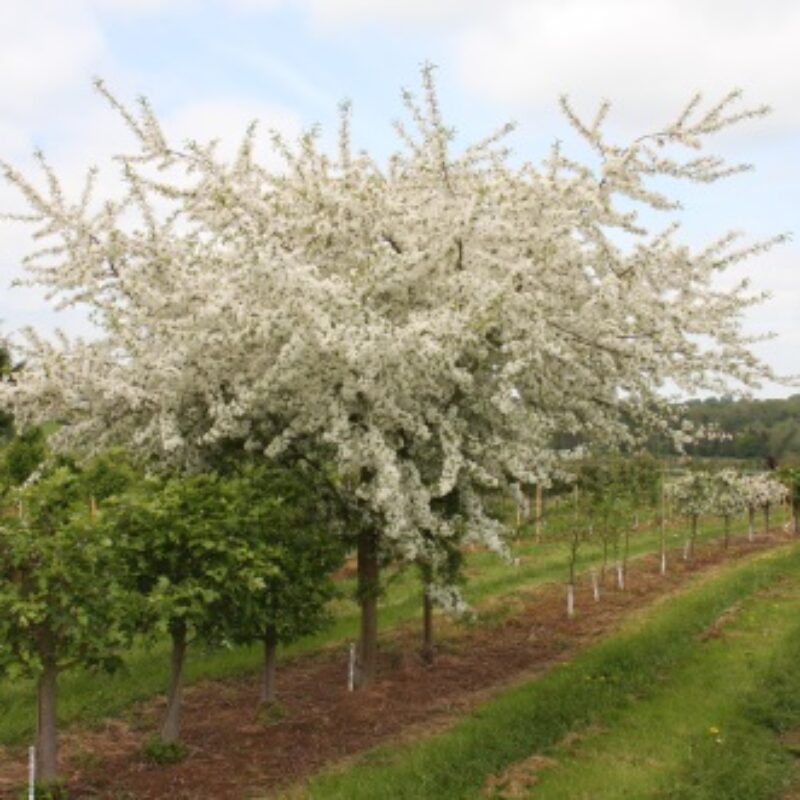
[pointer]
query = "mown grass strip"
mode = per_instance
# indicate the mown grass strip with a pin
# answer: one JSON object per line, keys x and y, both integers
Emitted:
{"x": 756, "y": 755}
{"x": 88, "y": 698}
{"x": 596, "y": 687}
{"x": 693, "y": 737}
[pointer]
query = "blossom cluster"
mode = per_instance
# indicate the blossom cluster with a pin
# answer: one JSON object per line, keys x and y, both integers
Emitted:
{"x": 433, "y": 326}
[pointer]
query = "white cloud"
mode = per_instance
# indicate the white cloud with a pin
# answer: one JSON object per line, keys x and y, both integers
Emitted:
{"x": 649, "y": 57}
{"x": 44, "y": 47}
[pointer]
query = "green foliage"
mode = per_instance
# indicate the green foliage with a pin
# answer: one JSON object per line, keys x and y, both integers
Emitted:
{"x": 278, "y": 516}
{"x": 158, "y": 751}
{"x": 53, "y": 790}
{"x": 186, "y": 553}
{"x": 60, "y": 597}
{"x": 87, "y": 697}
{"x": 767, "y": 430}
{"x": 608, "y": 494}
{"x": 20, "y": 458}
{"x": 791, "y": 479}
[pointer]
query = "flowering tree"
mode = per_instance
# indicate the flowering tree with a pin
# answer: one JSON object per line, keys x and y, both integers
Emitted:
{"x": 761, "y": 491}
{"x": 727, "y": 498}
{"x": 693, "y": 496}
{"x": 429, "y": 323}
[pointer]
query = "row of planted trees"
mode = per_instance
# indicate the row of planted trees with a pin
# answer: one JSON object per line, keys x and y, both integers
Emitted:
{"x": 607, "y": 503}
{"x": 97, "y": 556}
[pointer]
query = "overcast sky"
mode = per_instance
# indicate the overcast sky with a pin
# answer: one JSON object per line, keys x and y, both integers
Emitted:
{"x": 210, "y": 67}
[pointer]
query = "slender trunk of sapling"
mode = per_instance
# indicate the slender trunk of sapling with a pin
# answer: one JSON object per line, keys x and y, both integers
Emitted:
{"x": 268, "y": 668}
{"x": 751, "y": 523}
{"x": 427, "y": 627}
{"x": 170, "y": 729}
{"x": 573, "y": 557}
{"x": 727, "y": 520}
{"x": 46, "y": 728}
{"x": 766, "y": 519}
{"x": 368, "y": 587}
{"x": 692, "y": 538}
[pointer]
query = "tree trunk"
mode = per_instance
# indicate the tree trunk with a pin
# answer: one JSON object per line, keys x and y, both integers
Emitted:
{"x": 692, "y": 537}
{"x": 751, "y": 529}
{"x": 46, "y": 729}
{"x": 368, "y": 586}
{"x": 727, "y": 531}
{"x": 267, "y": 694}
{"x": 170, "y": 729}
{"x": 427, "y": 628}
{"x": 766, "y": 519}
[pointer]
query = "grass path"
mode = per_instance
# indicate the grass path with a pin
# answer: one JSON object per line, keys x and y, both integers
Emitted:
{"x": 665, "y": 745}
{"x": 638, "y": 708}
{"x": 88, "y": 698}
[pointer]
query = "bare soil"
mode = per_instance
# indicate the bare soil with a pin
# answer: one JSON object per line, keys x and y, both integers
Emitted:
{"x": 234, "y": 755}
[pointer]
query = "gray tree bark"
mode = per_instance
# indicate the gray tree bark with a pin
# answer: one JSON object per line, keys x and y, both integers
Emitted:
{"x": 170, "y": 729}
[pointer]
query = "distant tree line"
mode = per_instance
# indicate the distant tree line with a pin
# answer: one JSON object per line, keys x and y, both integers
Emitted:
{"x": 767, "y": 430}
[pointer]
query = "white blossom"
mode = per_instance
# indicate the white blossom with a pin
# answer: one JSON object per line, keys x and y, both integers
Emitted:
{"x": 431, "y": 323}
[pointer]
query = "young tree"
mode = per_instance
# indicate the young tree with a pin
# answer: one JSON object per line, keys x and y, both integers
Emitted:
{"x": 278, "y": 512}
{"x": 62, "y": 602}
{"x": 192, "y": 563}
{"x": 440, "y": 572}
{"x": 761, "y": 491}
{"x": 791, "y": 478}
{"x": 726, "y": 498}
{"x": 433, "y": 321}
{"x": 692, "y": 494}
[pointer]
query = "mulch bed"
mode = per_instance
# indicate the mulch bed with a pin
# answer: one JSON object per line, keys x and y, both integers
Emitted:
{"x": 232, "y": 755}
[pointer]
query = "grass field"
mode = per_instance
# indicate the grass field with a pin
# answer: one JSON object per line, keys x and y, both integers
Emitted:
{"x": 88, "y": 697}
{"x": 688, "y": 701}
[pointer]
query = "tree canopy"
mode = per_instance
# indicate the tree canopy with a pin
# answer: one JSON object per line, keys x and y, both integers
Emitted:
{"x": 432, "y": 322}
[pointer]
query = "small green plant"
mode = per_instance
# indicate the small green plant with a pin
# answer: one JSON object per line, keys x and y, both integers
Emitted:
{"x": 160, "y": 752}
{"x": 50, "y": 790}
{"x": 272, "y": 713}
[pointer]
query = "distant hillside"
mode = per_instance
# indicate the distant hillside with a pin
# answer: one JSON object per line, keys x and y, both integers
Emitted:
{"x": 762, "y": 429}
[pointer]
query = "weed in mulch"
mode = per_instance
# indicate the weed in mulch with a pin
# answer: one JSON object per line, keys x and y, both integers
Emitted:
{"x": 158, "y": 751}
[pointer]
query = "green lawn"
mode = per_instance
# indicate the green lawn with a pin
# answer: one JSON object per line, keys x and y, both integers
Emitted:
{"x": 656, "y": 711}
{"x": 89, "y": 697}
